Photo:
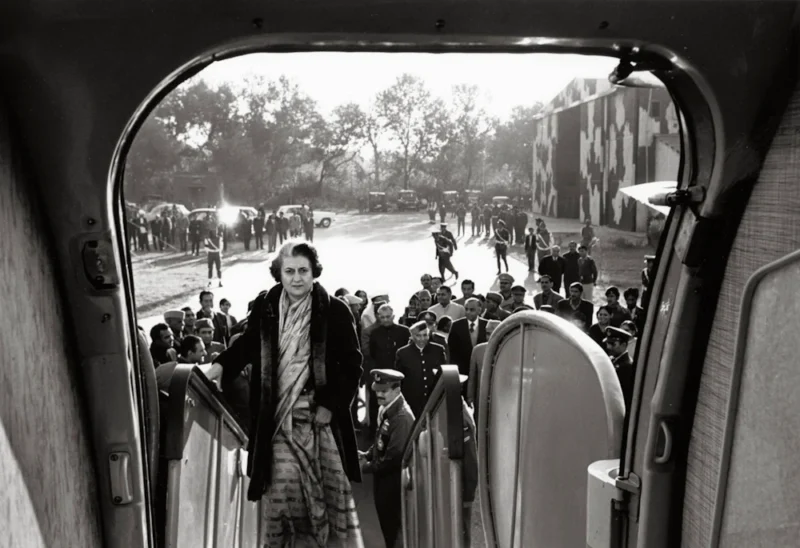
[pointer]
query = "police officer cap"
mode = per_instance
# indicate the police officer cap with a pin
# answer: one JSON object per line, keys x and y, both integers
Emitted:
{"x": 518, "y": 289}
{"x": 427, "y": 315}
{"x": 494, "y": 296}
{"x": 506, "y": 277}
{"x": 174, "y": 315}
{"x": 383, "y": 379}
{"x": 616, "y": 334}
{"x": 547, "y": 308}
{"x": 443, "y": 225}
{"x": 203, "y": 323}
{"x": 649, "y": 257}
{"x": 421, "y": 325}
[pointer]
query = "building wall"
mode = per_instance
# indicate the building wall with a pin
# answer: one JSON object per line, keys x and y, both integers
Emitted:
{"x": 545, "y": 139}
{"x": 578, "y": 91}
{"x": 617, "y": 148}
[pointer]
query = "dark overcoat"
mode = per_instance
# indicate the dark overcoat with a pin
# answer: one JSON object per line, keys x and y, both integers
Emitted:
{"x": 335, "y": 367}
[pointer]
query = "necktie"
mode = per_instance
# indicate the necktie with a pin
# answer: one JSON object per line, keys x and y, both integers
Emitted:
{"x": 471, "y": 327}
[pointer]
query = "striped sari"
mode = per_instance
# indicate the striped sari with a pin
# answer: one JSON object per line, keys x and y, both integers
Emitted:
{"x": 309, "y": 502}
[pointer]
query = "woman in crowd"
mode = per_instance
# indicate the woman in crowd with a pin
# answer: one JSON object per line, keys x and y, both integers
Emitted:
{"x": 307, "y": 365}
{"x": 598, "y": 331}
{"x": 412, "y": 311}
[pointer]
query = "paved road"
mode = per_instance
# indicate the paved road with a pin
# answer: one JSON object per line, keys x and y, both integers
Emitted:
{"x": 376, "y": 253}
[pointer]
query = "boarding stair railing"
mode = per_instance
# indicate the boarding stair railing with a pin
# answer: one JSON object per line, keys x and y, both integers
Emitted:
{"x": 431, "y": 474}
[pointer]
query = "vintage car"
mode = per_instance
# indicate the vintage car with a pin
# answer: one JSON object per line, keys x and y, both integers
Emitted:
{"x": 407, "y": 200}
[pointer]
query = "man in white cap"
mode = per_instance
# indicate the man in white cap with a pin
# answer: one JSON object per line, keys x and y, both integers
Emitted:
{"x": 174, "y": 319}
{"x": 370, "y": 314}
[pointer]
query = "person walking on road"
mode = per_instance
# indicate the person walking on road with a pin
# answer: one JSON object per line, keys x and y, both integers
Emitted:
{"x": 501, "y": 239}
{"x": 213, "y": 246}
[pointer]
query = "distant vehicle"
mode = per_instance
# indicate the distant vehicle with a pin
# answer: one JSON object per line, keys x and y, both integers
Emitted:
{"x": 473, "y": 196}
{"x": 500, "y": 200}
{"x": 377, "y": 201}
{"x": 321, "y": 218}
{"x": 157, "y": 210}
{"x": 450, "y": 198}
{"x": 408, "y": 200}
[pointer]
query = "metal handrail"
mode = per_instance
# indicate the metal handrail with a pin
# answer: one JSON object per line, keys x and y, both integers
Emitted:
{"x": 449, "y": 387}
{"x": 433, "y": 492}
{"x": 189, "y": 390}
{"x": 184, "y": 377}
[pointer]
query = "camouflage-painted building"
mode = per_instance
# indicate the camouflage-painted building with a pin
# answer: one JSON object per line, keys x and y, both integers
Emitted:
{"x": 594, "y": 138}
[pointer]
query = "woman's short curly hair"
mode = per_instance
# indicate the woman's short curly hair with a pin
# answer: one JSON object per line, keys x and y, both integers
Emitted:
{"x": 296, "y": 249}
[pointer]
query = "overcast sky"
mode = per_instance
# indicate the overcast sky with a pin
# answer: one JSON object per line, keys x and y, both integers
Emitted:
{"x": 332, "y": 78}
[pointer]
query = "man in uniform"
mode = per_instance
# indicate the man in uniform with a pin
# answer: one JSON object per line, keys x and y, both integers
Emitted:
{"x": 506, "y": 283}
{"x": 385, "y": 458}
{"x": 421, "y": 363}
{"x": 493, "y": 310}
{"x": 616, "y": 342}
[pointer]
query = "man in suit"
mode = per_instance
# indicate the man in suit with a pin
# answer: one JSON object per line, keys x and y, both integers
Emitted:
{"x": 465, "y": 334}
{"x": 547, "y": 296}
{"x": 384, "y": 342}
{"x": 576, "y": 309}
{"x": 637, "y": 313}
{"x": 430, "y": 319}
{"x": 421, "y": 363}
{"x": 218, "y": 319}
{"x": 553, "y": 266}
{"x": 476, "y": 368}
{"x": 530, "y": 249}
{"x": 616, "y": 342}
{"x": 571, "y": 268}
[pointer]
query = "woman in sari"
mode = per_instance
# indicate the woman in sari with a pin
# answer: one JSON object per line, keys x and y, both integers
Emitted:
{"x": 306, "y": 369}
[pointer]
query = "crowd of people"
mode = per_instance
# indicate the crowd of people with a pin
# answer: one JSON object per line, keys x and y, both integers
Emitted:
{"x": 172, "y": 230}
{"x": 304, "y": 358}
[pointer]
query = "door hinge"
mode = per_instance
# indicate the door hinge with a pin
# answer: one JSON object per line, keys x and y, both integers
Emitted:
{"x": 631, "y": 487}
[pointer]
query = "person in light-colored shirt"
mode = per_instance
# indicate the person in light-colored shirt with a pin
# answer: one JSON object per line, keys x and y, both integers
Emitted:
{"x": 445, "y": 306}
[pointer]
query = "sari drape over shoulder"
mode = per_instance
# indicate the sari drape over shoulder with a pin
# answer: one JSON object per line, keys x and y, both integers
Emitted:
{"x": 309, "y": 501}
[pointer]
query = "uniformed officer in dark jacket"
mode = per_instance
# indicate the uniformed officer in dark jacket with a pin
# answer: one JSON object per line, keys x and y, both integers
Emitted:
{"x": 384, "y": 459}
{"x": 421, "y": 363}
{"x": 616, "y": 342}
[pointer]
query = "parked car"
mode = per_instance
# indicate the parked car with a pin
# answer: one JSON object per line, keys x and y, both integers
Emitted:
{"x": 322, "y": 218}
{"x": 450, "y": 198}
{"x": 500, "y": 200}
{"x": 377, "y": 201}
{"x": 158, "y": 209}
{"x": 407, "y": 200}
{"x": 230, "y": 217}
{"x": 473, "y": 196}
